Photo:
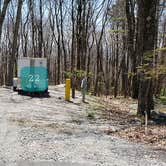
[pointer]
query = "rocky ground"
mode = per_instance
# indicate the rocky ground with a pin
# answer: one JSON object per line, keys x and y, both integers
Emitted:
{"x": 50, "y": 131}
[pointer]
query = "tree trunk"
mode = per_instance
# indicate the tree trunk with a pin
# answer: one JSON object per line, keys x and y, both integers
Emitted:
{"x": 73, "y": 51}
{"x": 2, "y": 14}
{"x": 40, "y": 51}
{"x": 130, "y": 43}
{"x": 14, "y": 44}
{"x": 146, "y": 29}
{"x": 31, "y": 8}
{"x": 62, "y": 36}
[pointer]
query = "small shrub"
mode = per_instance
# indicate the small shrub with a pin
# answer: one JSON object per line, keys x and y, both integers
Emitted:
{"x": 91, "y": 114}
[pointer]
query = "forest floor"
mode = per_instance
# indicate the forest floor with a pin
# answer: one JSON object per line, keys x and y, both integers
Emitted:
{"x": 122, "y": 113}
{"x": 51, "y": 131}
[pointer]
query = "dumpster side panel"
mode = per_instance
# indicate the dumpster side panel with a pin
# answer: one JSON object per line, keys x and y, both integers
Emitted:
{"x": 33, "y": 74}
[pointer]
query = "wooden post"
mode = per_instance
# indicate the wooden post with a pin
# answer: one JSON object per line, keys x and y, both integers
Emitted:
{"x": 146, "y": 123}
{"x": 67, "y": 90}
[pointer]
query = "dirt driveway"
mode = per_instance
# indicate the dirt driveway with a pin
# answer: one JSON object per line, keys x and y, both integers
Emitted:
{"x": 50, "y": 131}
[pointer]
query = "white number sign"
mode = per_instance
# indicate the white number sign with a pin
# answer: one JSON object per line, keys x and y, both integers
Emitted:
{"x": 34, "y": 78}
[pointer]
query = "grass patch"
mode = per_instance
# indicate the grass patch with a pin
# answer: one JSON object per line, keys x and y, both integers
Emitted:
{"x": 161, "y": 100}
{"x": 76, "y": 121}
{"x": 91, "y": 114}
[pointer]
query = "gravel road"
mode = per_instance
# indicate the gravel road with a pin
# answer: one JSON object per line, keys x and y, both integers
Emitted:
{"x": 50, "y": 131}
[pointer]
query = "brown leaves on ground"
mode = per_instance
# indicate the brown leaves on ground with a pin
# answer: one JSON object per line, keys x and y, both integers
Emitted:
{"x": 154, "y": 135}
{"x": 124, "y": 123}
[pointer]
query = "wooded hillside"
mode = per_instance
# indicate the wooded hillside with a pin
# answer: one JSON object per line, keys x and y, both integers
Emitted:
{"x": 120, "y": 45}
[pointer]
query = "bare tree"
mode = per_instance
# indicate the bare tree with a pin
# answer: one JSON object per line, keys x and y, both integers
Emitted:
{"x": 2, "y": 14}
{"x": 13, "y": 55}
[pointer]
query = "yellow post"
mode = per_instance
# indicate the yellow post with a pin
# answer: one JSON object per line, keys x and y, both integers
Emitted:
{"x": 67, "y": 90}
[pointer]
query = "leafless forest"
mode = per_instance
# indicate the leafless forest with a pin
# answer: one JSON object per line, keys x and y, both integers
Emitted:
{"x": 120, "y": 45}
